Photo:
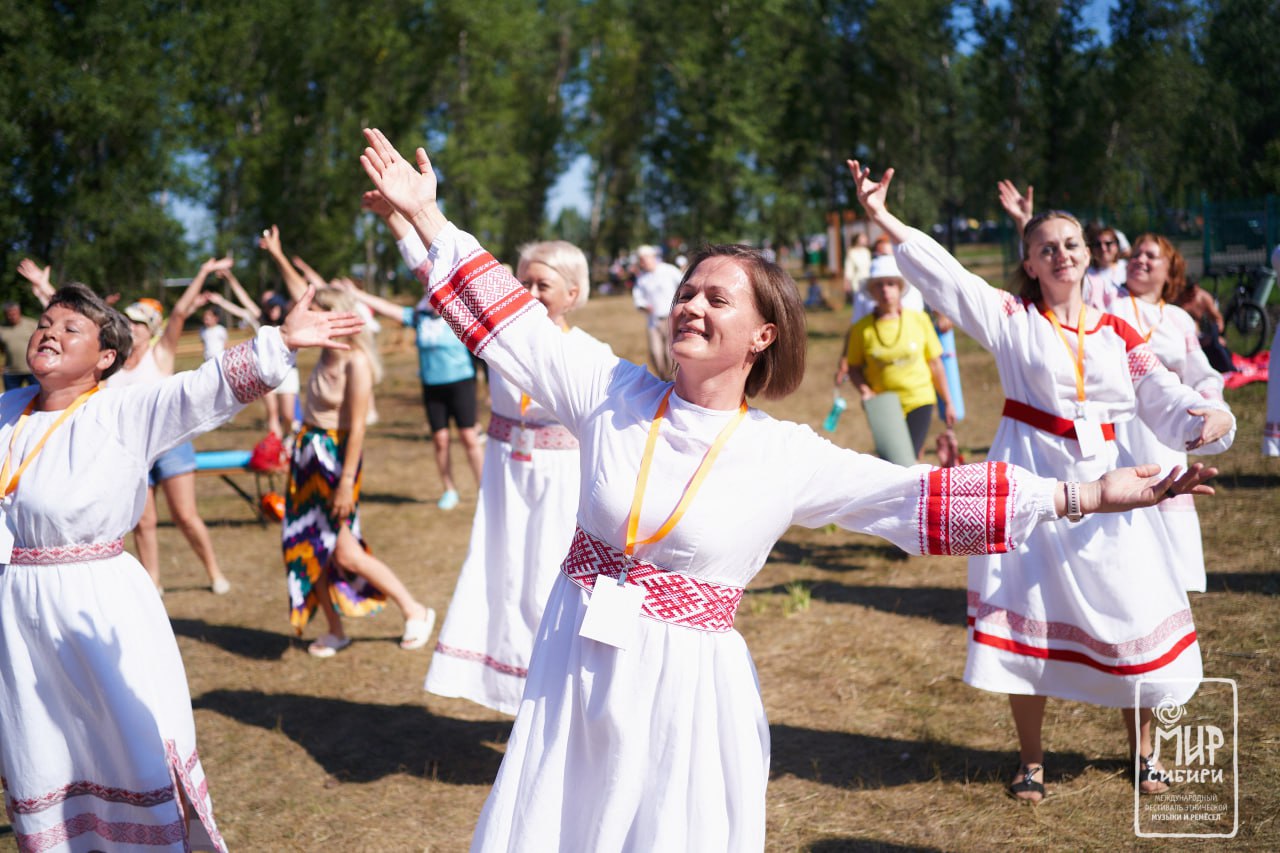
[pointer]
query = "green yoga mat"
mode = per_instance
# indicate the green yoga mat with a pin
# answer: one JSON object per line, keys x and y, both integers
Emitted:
{"x": 889, "y": 429}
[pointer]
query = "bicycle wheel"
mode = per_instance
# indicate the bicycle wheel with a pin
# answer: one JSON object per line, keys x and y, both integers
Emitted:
{"x": 1248, "y": 329}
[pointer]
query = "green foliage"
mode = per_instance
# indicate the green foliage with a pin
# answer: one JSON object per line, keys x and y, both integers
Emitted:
{"x": 722, "y": 121}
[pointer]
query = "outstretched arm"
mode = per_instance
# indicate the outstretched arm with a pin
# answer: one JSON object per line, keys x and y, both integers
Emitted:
{"x": 385, "y": 307}
{"x": 311, "y": 276}
{"x": 167, "y": 347}
{"x": 251, "y": 308}
{"x": 232, "y": 308}
{"x": 293, "y": 280}
{"x": 411, "y": 191}
{"x": 1019, "y": 207}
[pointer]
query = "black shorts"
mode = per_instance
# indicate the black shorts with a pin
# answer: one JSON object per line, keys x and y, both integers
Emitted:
{"x": 456, "y": 400}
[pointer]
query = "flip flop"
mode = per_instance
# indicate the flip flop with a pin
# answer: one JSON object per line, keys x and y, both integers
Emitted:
{"x": 327, "y": 645}
{"x": 418, "y": 631}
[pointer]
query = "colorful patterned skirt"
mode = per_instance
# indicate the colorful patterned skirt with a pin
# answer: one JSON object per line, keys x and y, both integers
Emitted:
{"x": 311, "y": 531}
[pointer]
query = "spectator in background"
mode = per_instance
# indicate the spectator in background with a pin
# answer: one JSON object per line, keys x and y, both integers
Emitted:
{"x": 213, "y": 335}
{"x": 857, "y": 265}
{"x": 1106, "y": 273}
{"x": 656, "y": 284}
{"x": 14, "y": 334}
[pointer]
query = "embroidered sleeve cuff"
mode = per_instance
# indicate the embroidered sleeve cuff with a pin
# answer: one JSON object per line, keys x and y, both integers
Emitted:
{"x": 256, "y": 366}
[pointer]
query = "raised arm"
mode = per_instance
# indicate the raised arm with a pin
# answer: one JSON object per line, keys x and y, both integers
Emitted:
{"x": 873, "y": 196}
{"x": 1019, "y": 207}
{"x": 232, "y": 308}
{"x": 293, "y": 280}
{"x": 311, "y": 276}
{"x": 167, "y": 346}
{"x": 41, "y": 286}
{"x": 250, "y": 306}
{"x": 385, "y": 307}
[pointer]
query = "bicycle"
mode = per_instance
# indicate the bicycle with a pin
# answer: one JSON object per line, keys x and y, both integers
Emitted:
{"x": 1247, "y": 326}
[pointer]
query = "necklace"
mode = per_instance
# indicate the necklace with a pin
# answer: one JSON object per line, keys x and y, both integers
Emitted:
{"x": 875, "y": 329}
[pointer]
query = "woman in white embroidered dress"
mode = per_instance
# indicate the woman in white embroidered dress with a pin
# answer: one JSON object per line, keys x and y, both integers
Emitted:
{"x": 1080, "y": 610}
{"x": 97, "y": 740}
{"x": 663, "y": 744}
{"x": 528, "y": 501}
{"x": 1155, "y": 274}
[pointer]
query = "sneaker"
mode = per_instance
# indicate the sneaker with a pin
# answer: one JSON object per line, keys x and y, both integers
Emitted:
{"x": 448, "y": 500}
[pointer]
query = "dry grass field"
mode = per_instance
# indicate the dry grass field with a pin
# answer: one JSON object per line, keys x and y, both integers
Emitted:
{"x": 877, "y": 743}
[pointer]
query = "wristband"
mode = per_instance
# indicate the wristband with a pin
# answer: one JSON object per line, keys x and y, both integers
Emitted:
{"x": 1074, "y": 513}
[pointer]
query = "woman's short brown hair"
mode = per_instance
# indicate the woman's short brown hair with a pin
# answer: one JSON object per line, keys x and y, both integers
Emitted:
{"x": 114, "y": 331}
{"x": 1176, "y": 282}
{"x": 1029, "y": 288}
{"x": 779, "y": 368}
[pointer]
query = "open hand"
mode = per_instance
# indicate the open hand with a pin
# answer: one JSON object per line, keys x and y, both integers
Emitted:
{"x": 1019, "y": 207}
{"x": 1132, "y": 488}
{"x": 41, "y": 286}
{"x": 872, "y": 195}
{"x": 303, "y": 327}
{"x": 409, "y": 190}
{"x": 1217, "y": 423}
{"x": 270, "y": 240}
{"x": 374, "y": 202}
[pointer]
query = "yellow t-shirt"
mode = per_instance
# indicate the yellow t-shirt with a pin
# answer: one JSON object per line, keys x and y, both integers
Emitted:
{"x": 894, "y": 356}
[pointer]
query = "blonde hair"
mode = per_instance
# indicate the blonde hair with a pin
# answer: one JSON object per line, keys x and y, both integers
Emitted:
{"x": 1029, "y": 288}
{"x": 563, "y": 257}
{"x": 332, "y": 299}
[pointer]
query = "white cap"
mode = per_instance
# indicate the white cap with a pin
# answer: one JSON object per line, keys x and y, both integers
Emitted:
{"x": 884, "y": 266}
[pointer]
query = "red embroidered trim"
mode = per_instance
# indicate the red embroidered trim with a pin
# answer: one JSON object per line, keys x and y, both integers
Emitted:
{"x": 966, "y": 509}
{"x": 121, "y": 832}
{"x": 545, "y": 437}
{"x": 197, "y": 796}
{"x": 240, "y": 366}
{"x": 481, "y": 657}
{"x": 1142, "y": 361}
{"x": 1035, "y": 629}
{"x": 1012, "y": 304}
{"x": 1070, "y": 656}
{"x": 74, "y": 553}
{"x": 478, "y": 298}
{"x": 669, "y": 596}
{"x": 144, "y": 799}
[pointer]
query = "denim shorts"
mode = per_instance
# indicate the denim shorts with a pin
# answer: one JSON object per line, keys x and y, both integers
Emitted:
{"x": 171, "y": 463}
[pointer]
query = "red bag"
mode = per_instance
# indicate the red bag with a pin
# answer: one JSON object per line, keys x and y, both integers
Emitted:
{"x": 269, "y": 455}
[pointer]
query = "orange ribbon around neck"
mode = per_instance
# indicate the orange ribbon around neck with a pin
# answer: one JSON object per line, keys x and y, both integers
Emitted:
{"x": 690, "y": 489}
{"x": 10, "y": 485}
{"x": 1137, "y": 319}
{"x": 1079, "y": 353}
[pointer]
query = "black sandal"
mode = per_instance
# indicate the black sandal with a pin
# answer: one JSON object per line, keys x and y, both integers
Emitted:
{"x": 1028, "y": 785}
{"x": 1147, "y": 772}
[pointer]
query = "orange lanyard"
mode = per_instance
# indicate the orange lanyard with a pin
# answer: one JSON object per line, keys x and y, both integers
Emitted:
{"x": 12, "y": 484}
{"x": 1079, "y": 360}
{"x": 690, "y": 489}
{"x": 1137, "y": 319}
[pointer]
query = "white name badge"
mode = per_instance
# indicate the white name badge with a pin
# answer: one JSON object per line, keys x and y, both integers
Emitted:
{"x": 1089, "y": 434}
{"x": 522, "y": 444}
{"x": 613, "y": 614}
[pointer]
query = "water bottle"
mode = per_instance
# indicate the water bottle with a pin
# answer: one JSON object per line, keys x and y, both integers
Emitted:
{"x": 838, "y": 405}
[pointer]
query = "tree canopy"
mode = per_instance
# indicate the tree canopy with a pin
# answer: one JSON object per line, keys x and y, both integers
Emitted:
{"x": 722, "y": 121}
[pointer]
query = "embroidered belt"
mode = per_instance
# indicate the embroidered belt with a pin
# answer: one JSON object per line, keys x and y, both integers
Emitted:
{"x": 77, "y": 553}
{"x": 668, "y": 596}
{"x": 1041, "y": 420}
{"x": 545, "y": 437}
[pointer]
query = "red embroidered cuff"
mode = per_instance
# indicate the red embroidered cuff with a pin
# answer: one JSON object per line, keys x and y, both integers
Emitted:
{"x": 240, "y": 366}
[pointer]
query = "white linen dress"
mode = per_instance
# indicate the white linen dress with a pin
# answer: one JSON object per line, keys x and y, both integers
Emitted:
{"x": 1080, "y": 610}
{"x": 665, "y": 745}
{"x": 524, "y": 522}
{"x": 97, "y": 739}
{"x": 1174, "y": 339}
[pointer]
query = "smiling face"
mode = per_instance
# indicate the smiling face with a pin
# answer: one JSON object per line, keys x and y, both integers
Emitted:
{"x": 1056, "y": 257}
{"x": 549, "y": 287}
{"x": 715, "y": 324}
{"x": 65, "y": 348}
{"x": 1104, "y": 250}
{"x": 1147, "y": 271}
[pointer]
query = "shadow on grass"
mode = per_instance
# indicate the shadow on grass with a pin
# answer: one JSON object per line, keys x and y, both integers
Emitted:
{"x": 1265, "y": 583}
{"x": 249, "y": 643}
{"x": 836, "y": 556}
{"x": 388, "y": 498}
{"x": 944, "y": 606}
{"x": 1235, "y": 480}
{"x": 867, "y": 762}
{"x": 364, "y": 742}
{"x": 865, "y": 845}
